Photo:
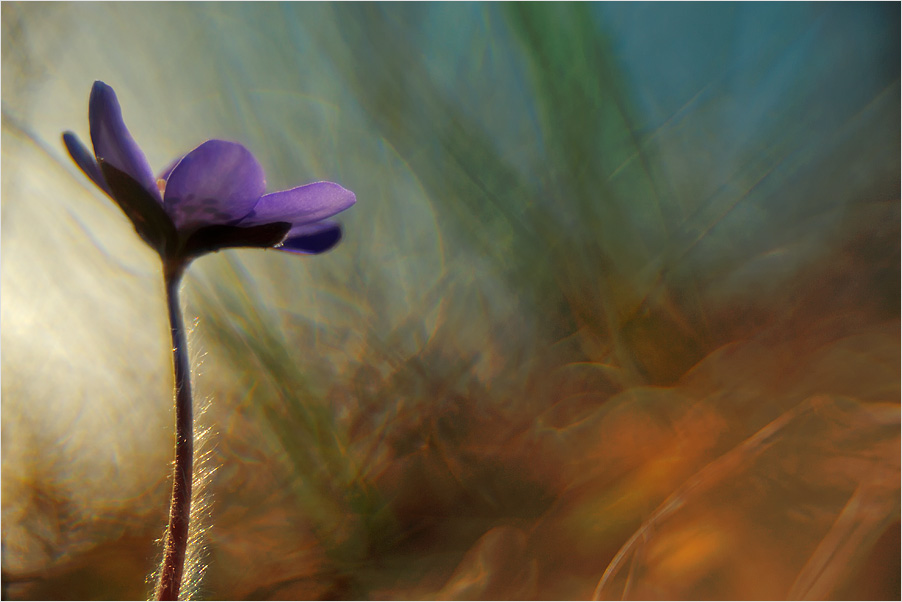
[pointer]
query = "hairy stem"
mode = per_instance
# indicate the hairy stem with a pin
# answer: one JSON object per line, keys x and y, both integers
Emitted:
{"x": 176, "y": 540}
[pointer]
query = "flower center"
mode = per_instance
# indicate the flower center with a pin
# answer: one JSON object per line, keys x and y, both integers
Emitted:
{"x": 161, "y": 184}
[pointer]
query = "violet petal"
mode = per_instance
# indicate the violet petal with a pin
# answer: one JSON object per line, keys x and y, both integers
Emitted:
{"x": 112, "y": 141}
{"x": 164, "y": 175}
{"x": 85, "y": 160}
{"x": 218, "y": 182}
{"x": 312, "y": 239}
{"x": 302, "y": 205}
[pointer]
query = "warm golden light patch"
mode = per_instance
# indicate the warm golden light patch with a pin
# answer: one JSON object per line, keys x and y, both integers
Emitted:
{"x": 686, "y": 554}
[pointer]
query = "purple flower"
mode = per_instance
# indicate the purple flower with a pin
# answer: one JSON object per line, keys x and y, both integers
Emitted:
{"x": 210, "y": 199}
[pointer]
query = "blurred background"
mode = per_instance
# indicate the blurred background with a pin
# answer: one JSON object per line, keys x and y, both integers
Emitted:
{"x": 616, "y": 314}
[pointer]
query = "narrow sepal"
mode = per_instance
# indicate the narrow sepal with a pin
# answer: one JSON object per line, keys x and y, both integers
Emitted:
{"x": 214, "y": 238}
{"x": 85, "y": 160}
{"x": 146, "y": 212}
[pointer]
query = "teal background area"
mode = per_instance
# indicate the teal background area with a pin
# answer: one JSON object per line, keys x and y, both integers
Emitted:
{"x": 616, "y": 313}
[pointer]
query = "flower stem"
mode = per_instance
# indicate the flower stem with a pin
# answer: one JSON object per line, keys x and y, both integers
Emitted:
{"x": 176, "y": 540}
